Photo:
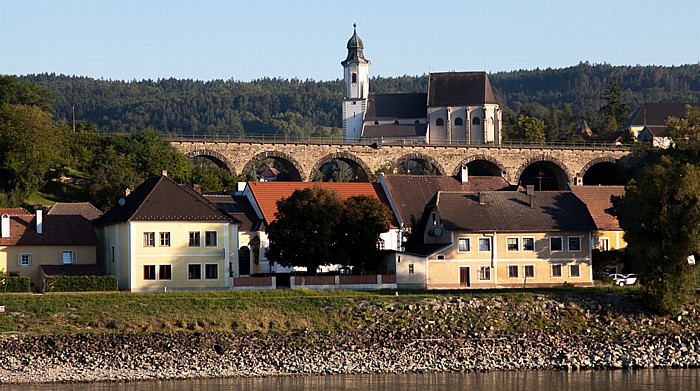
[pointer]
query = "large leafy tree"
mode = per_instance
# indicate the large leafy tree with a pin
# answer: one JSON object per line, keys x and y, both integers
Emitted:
{"x": 364, "y": 219}
{"x": 304, "y": 232}
{"x": 660, "y": 214}
{"x": 528, "y": 128}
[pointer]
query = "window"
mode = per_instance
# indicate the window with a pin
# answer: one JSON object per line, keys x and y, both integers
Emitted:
{"x": 211, "y": 271}
{"x": 476, "y": 121}
{"x": 484, "y": 244}
{"x": 354, "y": 77}
{"x": 556, "y": 271}
{"x": 396, "y": 122}
{"x": 376, "y": 122}
{"x": 459, "y": 121}
{"x": 441, "y": 257}
{"x": 210, "y": 238}
{"x": 25, "y": 260}
{"x": 435, "y": 218}
{"x": 165, "y": 272}
{"x": 512, "y": 244}
{"x": 67, "y": 257}
{"x": 604, "y": 244}
{"x": 574, "y": 243}
{"x": 194, "y": 272}
{"x": 463, "y": 245}
{"x": 556, "y": 244}
{"x": 149, "y": 239}
{"x": 485, "y": 273}
{"x": 165, "y": 239}
{"x": 416, "y": 122}
{"x": 410, "y": 268}
{"x": 149, "y": 272}
{"x": 194, "y": 239}
{"x": 574, "y": 271}
{"x": 528, "y": 244}
{"x": 439, "y": 122}
{"x": 529, "y": 271}
{"x": 380, "y": 244}
{"x": 512, "y": 271}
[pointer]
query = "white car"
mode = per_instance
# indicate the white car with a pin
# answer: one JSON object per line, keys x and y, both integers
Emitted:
{"x": 626, "y": 279}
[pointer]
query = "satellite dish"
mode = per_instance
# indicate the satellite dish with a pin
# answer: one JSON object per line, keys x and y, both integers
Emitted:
{"x": 122, "y": 202}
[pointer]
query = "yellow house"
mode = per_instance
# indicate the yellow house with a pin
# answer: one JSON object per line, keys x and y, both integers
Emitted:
{"x": 65, "y": 244}
{"x": 500, "y": 239}
{"x": 164, "y": 236}
{"x": 608, "y": 234}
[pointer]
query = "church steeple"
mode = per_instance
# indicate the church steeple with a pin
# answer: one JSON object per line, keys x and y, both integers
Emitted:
{"x": 355, "y": 47}
{"x": 356, "y": 81}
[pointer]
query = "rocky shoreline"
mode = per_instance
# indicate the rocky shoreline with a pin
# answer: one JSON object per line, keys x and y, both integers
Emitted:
{"x": 424, "y": 344}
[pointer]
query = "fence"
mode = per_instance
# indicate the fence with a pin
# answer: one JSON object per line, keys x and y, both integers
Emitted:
{"x": 363, "y": 282}
{"x": 255, "y": 283}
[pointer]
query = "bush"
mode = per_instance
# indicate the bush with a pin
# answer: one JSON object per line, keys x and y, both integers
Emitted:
{"x": 80, "y": 283}
{"x": 14, "y": 284}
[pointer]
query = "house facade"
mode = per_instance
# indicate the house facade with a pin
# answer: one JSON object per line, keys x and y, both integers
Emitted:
{"x": 164, "y": 236}
{"x": 608, "y": 235}
{"x": 30, "y": 241}
{"x": 503, "y": 239}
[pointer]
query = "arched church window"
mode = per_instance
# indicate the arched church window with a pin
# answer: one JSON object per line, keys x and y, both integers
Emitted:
{"x": 459, "y": 121}
{"x": 476, "y": 121}
{"x": 376, "y": 122}
{"x": 396, "y": 122}
{"x": 440, "y": 122}
{"x": 354, "y": 77}
{"x": 416, "y": 122}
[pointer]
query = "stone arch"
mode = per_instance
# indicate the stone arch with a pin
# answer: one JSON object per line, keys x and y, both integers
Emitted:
{"x": 420, "y": 156}
{"x": 286, "y": 159}
{"x": 619, "y": 175}
{"x": 220, "y": 160}
{"x": 345, "y": 156}
{"x": 568, "y": 175}
{"x": 458, "y": 169}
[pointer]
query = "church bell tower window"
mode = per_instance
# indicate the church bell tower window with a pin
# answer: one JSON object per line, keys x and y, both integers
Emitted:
{"x": 354, "y": 77}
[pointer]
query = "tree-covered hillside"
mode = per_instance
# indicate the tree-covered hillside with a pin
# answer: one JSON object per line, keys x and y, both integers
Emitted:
{"x": 303, "y": 108}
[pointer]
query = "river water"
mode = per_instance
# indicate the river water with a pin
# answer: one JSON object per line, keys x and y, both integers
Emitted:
{"x": 624, "y": 380}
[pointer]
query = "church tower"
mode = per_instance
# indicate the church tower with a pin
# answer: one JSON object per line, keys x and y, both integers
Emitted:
{"x": 356, "y": 80}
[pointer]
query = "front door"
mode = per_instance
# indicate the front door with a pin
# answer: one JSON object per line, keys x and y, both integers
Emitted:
{"x": 464, "y": 277}
{"x": 244, "y": 261}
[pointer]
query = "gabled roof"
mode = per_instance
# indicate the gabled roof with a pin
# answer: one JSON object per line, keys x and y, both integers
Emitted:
{"x": 57, "y": 230}
{"x": 656, "y": 114}
{"x": 396, "y": 106}
{"x": 237, "y": 207}
{"x": 411, "y": 193}
{"x": 597, "y": 200}
{"x": 267, "y": 194}
{"x": 160, "y": 199}
{"x": 585, "y": 131}
{"x": 459, "y": 89}
{"x": 14, "y": 211}
{"x": 511, "y": 211}
{"x": 84, "y": 209}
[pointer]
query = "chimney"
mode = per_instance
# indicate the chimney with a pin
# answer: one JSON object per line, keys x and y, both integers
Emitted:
{"x": 197, "y": 188}
{"x": 39, "y": 221}
{"x": 5, "y": 227}
{"x": 482, "y": 199}
{"x": 164, "y": 173}
{"x": 465, "y": 174}
{"x": 530, "y": 191}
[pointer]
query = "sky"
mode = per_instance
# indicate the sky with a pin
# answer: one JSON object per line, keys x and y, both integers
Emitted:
{"x": 306, "y": 39}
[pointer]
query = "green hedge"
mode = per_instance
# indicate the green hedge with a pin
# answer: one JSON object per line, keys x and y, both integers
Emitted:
{"x": 14, "y": 284}
{"x": 80, "y": 284}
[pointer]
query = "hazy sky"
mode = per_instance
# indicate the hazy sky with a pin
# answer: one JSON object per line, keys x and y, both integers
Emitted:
{"x": 244, "y": 40}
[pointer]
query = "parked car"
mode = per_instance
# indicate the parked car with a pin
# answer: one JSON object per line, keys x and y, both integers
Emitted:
{"x": 627, "y": 279}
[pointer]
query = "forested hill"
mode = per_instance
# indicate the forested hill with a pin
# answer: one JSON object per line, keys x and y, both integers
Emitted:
{"x": 304, "y": 108}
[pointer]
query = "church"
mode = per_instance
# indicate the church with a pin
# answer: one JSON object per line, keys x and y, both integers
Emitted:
{"x": 458, "y": 108}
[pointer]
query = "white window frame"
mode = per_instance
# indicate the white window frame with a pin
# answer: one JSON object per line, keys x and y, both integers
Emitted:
{"x": 533, "y": 243}
{"x": 205, "y": 271}
{"x": 160, "y": 275}
{"x": 73, "y": 257}
{"x": 482, "y": 269}
{"x": 164, "y": 236}
{"x": 207, "y": 237}
{"x": 580, "y": 244}
{"x": 517, "y": 271}
{"x": 149, "y": 239}
{"x": 561, "y": 270}
{"x": 25, "y": 256}
{"x": 411, "y": 268}
{"x": 467, "y": 241}
{"x": 201, "y": 274}
{"x": 604, "y": 244}
{"x": 525, "y": 271}
{"x": 576, "y": 265}
{"x": 488, "y": 240}
{"x": 517, "y": 244}
{"x": 550, "y": 244}
{"x": 194, "y": 235}
{"x": 155, "y": 276}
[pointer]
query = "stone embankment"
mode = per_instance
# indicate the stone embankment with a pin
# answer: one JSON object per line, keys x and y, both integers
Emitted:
{"x": 433, "y": 335}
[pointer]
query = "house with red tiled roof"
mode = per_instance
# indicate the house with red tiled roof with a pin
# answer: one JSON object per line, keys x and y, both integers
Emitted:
{"x": 500, "y": 239}
{"x": 608, "y": 234}
{"x": 31, "y": 243}
{"x": 166, "y": 236}
{"x": 263, "y": 196}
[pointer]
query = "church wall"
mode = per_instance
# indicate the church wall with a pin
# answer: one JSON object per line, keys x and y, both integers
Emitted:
{"x": 437, "y": 134}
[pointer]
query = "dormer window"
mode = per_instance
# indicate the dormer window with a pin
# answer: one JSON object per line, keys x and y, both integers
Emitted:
{"x": 354, "y": 77}
{"x": 396, "y": 122}
{"x": 440, "y": 122}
